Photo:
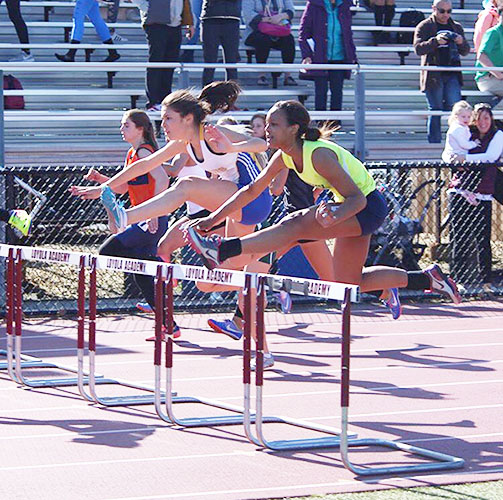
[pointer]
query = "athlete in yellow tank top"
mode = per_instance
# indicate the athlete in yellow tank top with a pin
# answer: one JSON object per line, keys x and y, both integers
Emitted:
{"x": 358, "y": 211}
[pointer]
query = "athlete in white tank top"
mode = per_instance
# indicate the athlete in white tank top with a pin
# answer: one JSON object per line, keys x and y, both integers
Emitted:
{"x": 221, "y": 164}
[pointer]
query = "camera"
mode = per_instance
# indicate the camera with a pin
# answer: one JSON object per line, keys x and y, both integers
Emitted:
{"x": 450, "y": 35}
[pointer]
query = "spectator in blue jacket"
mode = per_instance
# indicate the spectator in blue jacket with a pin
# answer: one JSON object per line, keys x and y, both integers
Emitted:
{"x": 325, "y": 36}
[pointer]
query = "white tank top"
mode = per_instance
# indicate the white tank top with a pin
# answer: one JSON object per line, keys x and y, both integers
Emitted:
{"x": 221, "y": 164}
{"x": 196, "y": 171}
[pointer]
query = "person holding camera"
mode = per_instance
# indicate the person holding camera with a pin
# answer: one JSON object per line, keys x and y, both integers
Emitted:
{"x": 440, "y": 41}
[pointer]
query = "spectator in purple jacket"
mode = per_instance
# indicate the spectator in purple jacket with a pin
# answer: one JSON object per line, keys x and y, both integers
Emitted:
{"x": 325, "y": 36}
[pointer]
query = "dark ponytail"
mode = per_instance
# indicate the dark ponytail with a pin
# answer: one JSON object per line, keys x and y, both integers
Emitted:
{"x": 297, "y": 114}
{"x": 216, "y": 96}
{"x": 220, "y": 96}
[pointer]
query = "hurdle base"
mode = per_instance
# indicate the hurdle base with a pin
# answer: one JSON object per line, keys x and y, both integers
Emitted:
{"x": 443, "y": 461}
{"x": 28, "y": 364}
{"x": 142, "y": 399}
{"x": 220, "y": 420}
{"x": 63, "y": 382}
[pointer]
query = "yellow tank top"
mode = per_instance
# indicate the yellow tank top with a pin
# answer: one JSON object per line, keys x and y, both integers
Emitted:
{"x": 353, "y": 166}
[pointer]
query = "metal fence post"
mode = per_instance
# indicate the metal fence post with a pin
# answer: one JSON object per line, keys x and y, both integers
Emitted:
{"x": 3, "y": 195}
{"x": 360, "y": 115}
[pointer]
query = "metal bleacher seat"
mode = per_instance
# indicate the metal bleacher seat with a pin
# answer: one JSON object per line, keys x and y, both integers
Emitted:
{"x": 52, "y": 92}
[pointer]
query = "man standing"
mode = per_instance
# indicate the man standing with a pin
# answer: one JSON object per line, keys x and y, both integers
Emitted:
{"x": 162, "y": 21}
{"x": 220, "y": 27}
{"x": 440, "y": 41}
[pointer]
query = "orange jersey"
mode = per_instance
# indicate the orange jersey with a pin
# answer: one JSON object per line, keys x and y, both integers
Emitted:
{"x": 142, "y": 188}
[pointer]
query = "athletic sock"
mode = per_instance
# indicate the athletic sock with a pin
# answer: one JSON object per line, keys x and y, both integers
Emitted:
{"x": 229, "y": 248}
{"x": 417, "y": 280}
{"x": 267, "y": 355}
{"x": 237, "y": 312}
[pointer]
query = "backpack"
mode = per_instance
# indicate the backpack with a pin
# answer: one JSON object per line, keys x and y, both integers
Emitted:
{"x": 408, "y": 19}
{"x": 12, "y": 101}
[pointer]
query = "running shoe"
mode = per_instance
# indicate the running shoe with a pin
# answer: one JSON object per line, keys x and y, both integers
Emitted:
{"x": 393, "y": 303}
{"x": 144, "y": 307}
{"x": 20, "y": 220}
{"x": 442, "y": 284}
{"x": 206, "y": 247}
{"x": 23, "y": 57}
{"x": 268, "y": 363}
{"x": 115, "y": 208}
{"x": 176, "y": 333}
{"x": 227, "y": 327}
{"x": 285, "y": 301}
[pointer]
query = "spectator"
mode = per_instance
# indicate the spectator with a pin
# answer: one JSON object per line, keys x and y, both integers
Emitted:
{"x": 162, "y": 21}
{"x": 384, "y": 12}
{"x": 491, "y": 54}
{"x": 470, "y": 202}
{"x": 257, "y": 124}
{"x": 90, "y": 9}
{"x": 14, "y": 11}
{"x": 188, "y": 55}
{"x": 325, "y": 36}
{"x": 220, "y": 26}
{"x": 440, "y": 41}
{"x": 268, "y": 27}
{"x": 112, "y": 13}
{"x": 458, "y": 140}
{"x": 486, "y": 19}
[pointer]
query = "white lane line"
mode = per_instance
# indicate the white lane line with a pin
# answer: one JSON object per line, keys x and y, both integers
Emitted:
{"x": 282, "y": 490}
{"x": 310, "y": 337}
{"x": 99, "y": 463}
{"x": 329, "y": 372}
{"x": 324, "y": 353}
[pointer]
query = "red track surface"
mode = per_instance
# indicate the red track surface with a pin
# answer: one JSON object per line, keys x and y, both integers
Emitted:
{"x": 434, "y": 378}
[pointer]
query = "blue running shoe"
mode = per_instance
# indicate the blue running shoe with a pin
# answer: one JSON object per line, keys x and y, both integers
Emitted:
{"x": 226, "y": 327}
{"x": 144, "y": 307}
{"x": 206, "y": 247}
{"x": 285, "y": 301}
{"x": 115, "y": 208}
{"x": 393, "y": 303}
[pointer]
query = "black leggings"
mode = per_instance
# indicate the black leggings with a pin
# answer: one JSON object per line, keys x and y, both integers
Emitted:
{"x": 14, "y": 11}
{"x": 4, "y": 215}
{"x": 114, "y": 248}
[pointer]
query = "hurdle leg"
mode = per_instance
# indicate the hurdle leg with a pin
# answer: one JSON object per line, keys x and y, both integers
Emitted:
{"x": 292, "y": 444}
{"x": 442, "y": 461}
{"x": 18, "y": 328}
{"x": 169, "y": 415}
{"x": 111, "y": 401}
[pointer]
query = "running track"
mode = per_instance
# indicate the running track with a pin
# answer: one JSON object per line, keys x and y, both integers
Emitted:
{"x": 434, "y": 378}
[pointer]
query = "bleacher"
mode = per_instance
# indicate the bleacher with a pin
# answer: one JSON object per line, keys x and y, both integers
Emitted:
{"x": 48, "y": 135}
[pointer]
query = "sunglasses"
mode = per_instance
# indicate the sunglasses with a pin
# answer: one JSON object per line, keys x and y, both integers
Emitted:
{"x": 444, "y": 11}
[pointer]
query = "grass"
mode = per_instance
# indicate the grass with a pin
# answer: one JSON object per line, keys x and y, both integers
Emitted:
{"x": 491, "y": 490}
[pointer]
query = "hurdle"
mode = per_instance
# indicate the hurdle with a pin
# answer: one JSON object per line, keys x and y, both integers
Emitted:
{"x": 14, "y": 328}
{"x": 442, "y": 461}
{"x": 191, "y": 272}
{"x": 328, "y": 290}
{"x": 117, "y": 264}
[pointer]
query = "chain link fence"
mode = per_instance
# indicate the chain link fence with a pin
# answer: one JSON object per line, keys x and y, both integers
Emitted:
{"x": 425, "y": 224}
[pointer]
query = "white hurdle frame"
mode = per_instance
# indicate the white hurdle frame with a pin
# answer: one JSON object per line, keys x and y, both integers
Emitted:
{"x": 442, "y": 461}
{"x": 15, "y": 257}
{"x": 169, "y": 415}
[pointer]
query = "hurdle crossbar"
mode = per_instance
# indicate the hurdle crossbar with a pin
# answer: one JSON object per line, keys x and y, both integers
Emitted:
{"x": 442, "y": 461}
